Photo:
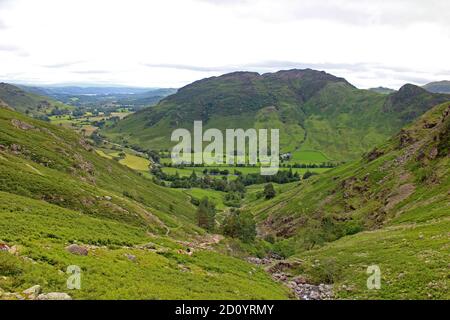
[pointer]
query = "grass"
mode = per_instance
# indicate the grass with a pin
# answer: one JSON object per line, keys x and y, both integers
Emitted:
{"x": 308, "y": 156}
{"x": 214, "y": 196}
{"x": 391, "y": 211}
{"x": 135, "y": 162}
{"x": 413, "y": 260}
{"x": 41, "y": 231}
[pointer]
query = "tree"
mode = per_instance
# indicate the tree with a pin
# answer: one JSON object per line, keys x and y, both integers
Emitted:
{"x": 193, "y": 176}
{"x": 269, "y": 191}
{"x": 206, "y": 214}
{"x": 308, "y": 174}
{"x": 239, "y": 225}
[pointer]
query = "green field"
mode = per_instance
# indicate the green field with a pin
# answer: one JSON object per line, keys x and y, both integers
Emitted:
{"x": 135, "y": 162}
{"x": 308, "y": 156}
{"x": 185, "y": 172}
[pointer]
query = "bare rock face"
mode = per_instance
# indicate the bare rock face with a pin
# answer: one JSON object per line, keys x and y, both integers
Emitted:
{"x": 78, "y": 250}
{"x": 54, "y": 296}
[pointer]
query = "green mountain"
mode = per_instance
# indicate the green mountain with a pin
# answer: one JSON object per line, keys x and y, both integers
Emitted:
{"x": 390, "y": 208}
{"x": 438, "y": 87}
{"x": 62, "y": 204}
{"x": 30, "y": 103}
{"x": 314, "y": 111}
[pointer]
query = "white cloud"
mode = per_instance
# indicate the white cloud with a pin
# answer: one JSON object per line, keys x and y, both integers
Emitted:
{"x": 174, "y": 42}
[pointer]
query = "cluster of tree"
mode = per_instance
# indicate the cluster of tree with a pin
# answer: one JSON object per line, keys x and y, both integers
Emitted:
{"x": 280, "y": 177}
{"x": 194, "y": 181}
{"x": 310, "y": 165}
{"x": 59, "y": 112}
{"x": 240, "y": 225}
{"x": 223, "y": 184}
{"x": 200, "y": 165}
{"x": 154, "y": 155}
{"x": 206, "y": 215}
{"x": 269, "y": 191}
{"x": 282, "y": 165}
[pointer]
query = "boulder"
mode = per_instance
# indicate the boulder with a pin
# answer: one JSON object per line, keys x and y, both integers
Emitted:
{"x": 54, "y": 296}
{"x": 299, "y": 280}
{"x": 33, "y": 292}
{"x": 13, "y": 250}
{"x": 78, "y": 250}
{"x": 130, "y": 257}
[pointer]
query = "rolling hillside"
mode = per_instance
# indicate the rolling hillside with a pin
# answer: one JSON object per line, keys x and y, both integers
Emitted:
{"x": 30, "y": 103}
{"x": 129, "y": 234}
{"x": 391, "y": 208}
{"x": 314, "y": 111}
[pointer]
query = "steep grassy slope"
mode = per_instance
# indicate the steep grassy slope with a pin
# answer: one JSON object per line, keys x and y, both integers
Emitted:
{"x": 124, "y": 262}
{"x": 56, "y": 190}
{"x": 391, "y": 208}
{"x": 314, "y": 111}
{"x": 45, "y": 162}
{"x": 30, "y": 103}
{"x": 387, "y": 185}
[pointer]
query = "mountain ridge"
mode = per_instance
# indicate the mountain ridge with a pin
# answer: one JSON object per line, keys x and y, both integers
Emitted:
{"x": 313, "y": 110}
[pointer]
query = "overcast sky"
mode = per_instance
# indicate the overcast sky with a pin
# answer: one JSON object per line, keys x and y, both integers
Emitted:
{"x": 170, "y": 43}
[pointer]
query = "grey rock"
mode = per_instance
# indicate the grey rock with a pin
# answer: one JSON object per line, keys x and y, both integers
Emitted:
{"x": 54, "y": 296}
{"x": 78, "y": 250}
{"x": 33, "y": 292}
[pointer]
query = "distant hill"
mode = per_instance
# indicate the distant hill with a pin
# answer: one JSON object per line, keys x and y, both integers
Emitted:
{"x": 313, "y": 110}
{"x": 88, "y": 90}
{"x": 82, "y": 96}
{"x": 30, "y": 103}
{"x": 390, "y": 208}
{"x": 382, "y": 90}
{"x": 438, "y": 87}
